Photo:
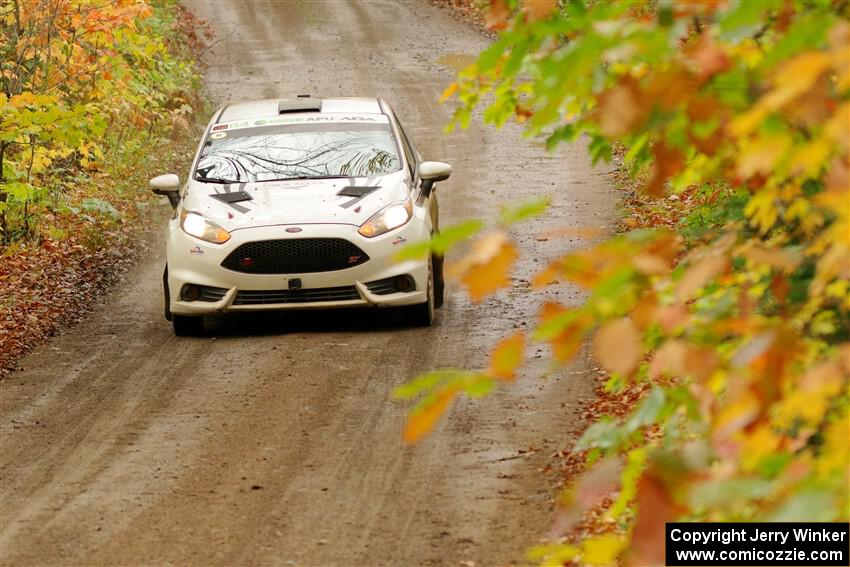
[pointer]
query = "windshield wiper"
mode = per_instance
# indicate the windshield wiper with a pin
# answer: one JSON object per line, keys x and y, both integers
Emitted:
{"x": 303, "y": 177}
{"x": 215, "y": 180}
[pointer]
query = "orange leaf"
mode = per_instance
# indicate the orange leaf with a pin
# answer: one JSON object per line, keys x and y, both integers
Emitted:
{"x": 588, "y": 490}
{"x": 620, "y": 108}
{"x": 670, "y": 88}
{"x": 650, "y": 264}
{"x": 671, "y": 318}
{"x": 507, "y": 356}
{"x": 421, "y": 422}
{"x": 497, "y": 15}
{"x": 710, "y": 59}
{"x": 450, "y": 90}
{"x": 485, "y": 269}
{"x": 698, "y": 275}
{"x": 782, "y": 259}
{"x": 645, "y": 309}
{"x": 669, "y": 360}
{"x": 667, "y": 162}
{"x": 539, "y": 9}
{"x": 567, "y": 343}
{"x": 617, "y": 346}
{"x": 655, "y": 506}
{"x": 547, "y": 276}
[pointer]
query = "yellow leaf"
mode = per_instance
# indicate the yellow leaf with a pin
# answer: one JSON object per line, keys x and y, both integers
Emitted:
{"x": 736, "y": 416}
{"x": 422, "y": 421}
{"x": 507, "y": 356}
{"x": 762, "y": 209}
{"x": 792, "y": 80}
{"x": 761, "y": 155}
{"x": 835, "y": 455}
{"x": 810, "y": 158}
{"x": 617, "y": 346}
{"x": 759, "y": 444}
{"x": 602, "y": 550}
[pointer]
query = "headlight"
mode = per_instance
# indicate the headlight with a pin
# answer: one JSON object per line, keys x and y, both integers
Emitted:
{"x": 200, "y": 227}
{"x": 387, "y": 219}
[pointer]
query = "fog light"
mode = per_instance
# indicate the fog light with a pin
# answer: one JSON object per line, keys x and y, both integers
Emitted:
{"x": 403, "y": 283}
{"x": 190, "y": 292}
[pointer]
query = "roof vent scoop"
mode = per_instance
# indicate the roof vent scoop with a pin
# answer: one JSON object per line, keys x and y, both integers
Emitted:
{"x": 300, "y": 104}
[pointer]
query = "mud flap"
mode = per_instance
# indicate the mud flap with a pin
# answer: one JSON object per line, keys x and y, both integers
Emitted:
{"x": 439, "y": 280}
{"x": 168, "y": 315}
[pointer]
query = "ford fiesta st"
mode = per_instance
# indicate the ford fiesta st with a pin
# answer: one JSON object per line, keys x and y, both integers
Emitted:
{"x": 301, "y": 203}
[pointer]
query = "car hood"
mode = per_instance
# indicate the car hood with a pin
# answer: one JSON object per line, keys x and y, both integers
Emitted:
{"x": 304, "y": 201}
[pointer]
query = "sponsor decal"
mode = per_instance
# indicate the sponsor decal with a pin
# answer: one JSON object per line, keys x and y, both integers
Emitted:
{"x": 353, "y": 259}
{"x": 218, "y": 127}
{"x": 196, "y": 251}
{"x": 399, "y": 240}
{"x": 293, "y": 229}
{"x": 302, "y": 120}
{"x": 218, "y": 135}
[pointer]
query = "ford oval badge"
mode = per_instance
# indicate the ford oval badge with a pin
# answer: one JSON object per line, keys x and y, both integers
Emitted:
{"x": 293, "y": 229}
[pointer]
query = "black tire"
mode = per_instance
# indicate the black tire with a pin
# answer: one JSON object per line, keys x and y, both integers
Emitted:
{"x": 185, "y": 326}
{"x": 439, "y": 280}
{"x": 166, "y": 293}
{"x": 422, "y": 315}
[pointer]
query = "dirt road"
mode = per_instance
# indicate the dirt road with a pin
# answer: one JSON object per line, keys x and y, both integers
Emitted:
{"x": 275, "y": 441}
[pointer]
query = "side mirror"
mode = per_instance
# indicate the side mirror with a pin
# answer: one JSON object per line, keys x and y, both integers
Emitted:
{"x": 432, "y": 171}
{"x": 168, "y": 185}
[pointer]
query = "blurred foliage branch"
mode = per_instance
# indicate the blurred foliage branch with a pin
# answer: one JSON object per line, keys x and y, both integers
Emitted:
{"x": 739, "y": 318}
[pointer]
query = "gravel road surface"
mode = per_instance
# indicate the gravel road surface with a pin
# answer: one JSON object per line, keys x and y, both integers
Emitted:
{"x": 275, "y": 441}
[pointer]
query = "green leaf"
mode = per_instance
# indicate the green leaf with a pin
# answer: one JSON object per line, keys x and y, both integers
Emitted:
{"x": 442, "y": 241}
{"x": 511, "y": 214}
{"x": 426, "y": 382}
{"x": 604, "y": 434}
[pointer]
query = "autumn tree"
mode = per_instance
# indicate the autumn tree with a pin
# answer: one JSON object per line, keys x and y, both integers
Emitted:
{"x": 76, "y": 76}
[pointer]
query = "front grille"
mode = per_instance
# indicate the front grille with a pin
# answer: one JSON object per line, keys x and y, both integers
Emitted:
{"x": 266, "y": 297}
{"x": 295, "y": 256}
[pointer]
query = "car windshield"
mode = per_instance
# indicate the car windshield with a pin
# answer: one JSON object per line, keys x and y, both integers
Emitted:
{"x": 316, "y": 150}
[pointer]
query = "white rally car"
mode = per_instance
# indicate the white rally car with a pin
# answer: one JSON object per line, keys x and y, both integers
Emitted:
{"x": 301, "y": 203}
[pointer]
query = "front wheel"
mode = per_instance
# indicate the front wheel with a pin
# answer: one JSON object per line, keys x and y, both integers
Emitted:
{"x": 185, "y": 326}
{"x": 422, "y": 315}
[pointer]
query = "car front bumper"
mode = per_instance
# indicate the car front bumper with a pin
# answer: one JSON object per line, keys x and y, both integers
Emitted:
{"x": 196, "y": 262}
